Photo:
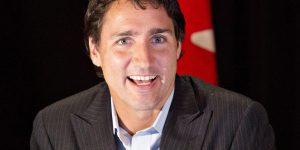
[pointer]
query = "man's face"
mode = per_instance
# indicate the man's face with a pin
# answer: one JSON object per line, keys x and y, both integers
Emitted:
{"x": 138, "y": 54}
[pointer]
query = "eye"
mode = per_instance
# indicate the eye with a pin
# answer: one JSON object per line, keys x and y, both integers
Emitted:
{"x": 123, "y": 41}
{"x": 158, "y": 39}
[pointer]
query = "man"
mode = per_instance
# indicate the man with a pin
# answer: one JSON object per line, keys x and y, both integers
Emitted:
{"x": 143, "y": 104}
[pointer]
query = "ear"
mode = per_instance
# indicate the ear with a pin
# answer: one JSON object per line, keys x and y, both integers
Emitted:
{"x": 178, "y": 50}
{"x": 94, "y": 52}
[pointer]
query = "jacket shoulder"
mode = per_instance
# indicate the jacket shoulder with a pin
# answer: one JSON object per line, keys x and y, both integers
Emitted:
{"x": 227, "y": 106}
{"x": 76, "y": 103}
{"x": 218, "y": 97}
{"x": 236, "y": 120}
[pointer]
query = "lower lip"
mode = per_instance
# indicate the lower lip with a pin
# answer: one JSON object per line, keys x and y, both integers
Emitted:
{"x": 143, "y": 88}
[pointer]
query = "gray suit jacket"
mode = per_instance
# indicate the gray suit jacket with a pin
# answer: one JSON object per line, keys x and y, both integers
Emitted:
{"x": 201, "y": 116}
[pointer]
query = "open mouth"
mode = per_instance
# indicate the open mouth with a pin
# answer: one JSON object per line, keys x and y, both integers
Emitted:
{"x": 142, "y": 80}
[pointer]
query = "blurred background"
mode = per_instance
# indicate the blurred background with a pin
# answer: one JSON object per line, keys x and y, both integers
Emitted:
{"x": 43, "y": 59}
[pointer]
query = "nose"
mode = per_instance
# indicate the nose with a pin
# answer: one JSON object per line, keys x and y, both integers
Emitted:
{"x": 142, "y": 56}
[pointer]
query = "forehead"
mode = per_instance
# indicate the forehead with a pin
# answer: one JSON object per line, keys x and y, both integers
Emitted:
{"x": 124, "y": 14}
{"x": 120, "y": 5}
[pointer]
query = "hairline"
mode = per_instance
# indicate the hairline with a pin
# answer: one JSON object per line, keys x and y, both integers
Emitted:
{"x": 137, "y": 6}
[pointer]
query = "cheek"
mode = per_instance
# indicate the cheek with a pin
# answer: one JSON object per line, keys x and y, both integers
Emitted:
{"x": 169, "y": 58}
{"x": 167, "y": 63}
{"x": 115, "y": 62}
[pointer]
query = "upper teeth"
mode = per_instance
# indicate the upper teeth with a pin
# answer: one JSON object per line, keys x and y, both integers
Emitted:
{"x": 142, "y": 77}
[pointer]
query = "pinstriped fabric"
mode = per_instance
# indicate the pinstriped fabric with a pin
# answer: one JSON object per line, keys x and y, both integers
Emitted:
{"x": 228, "y": 120}
{"x": 200, "y": 117}
{"x": 77, "y": 122}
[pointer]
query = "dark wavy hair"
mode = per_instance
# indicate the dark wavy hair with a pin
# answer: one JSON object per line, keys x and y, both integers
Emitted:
{"x": 96, "y": 10}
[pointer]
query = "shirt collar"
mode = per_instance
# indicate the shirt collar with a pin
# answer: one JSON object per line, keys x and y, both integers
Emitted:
{"x": 158, "y": 123}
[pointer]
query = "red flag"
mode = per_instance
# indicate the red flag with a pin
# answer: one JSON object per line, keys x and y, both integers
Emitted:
{"x": 198, "y": 46}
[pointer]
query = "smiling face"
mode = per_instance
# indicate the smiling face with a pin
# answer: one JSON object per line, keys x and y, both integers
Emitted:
{"x": 138, "y": 54}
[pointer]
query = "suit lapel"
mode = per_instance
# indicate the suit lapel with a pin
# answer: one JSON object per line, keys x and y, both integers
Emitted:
{"x": 93, "y": 127}
{"x": 186, "y": 124}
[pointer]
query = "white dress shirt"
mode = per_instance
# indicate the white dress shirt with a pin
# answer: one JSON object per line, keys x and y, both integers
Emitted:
{"x": 146, "y": 139}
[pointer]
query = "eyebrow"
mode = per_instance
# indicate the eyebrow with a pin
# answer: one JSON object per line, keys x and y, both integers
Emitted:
{"x": 159, "y": 30}
{"x": 151, "y": 32}
{"x": 125, "y": 33}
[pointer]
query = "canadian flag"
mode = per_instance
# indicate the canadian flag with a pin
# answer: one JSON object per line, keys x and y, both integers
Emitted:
{"x": 198, "y": 46}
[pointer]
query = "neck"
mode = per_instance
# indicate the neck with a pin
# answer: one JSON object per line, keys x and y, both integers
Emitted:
{"x": 136, "y": 116}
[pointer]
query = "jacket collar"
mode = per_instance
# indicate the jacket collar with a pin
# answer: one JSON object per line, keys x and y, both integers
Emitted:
{"x": 93, "y": 127}
{"x": 187, "y": 122}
